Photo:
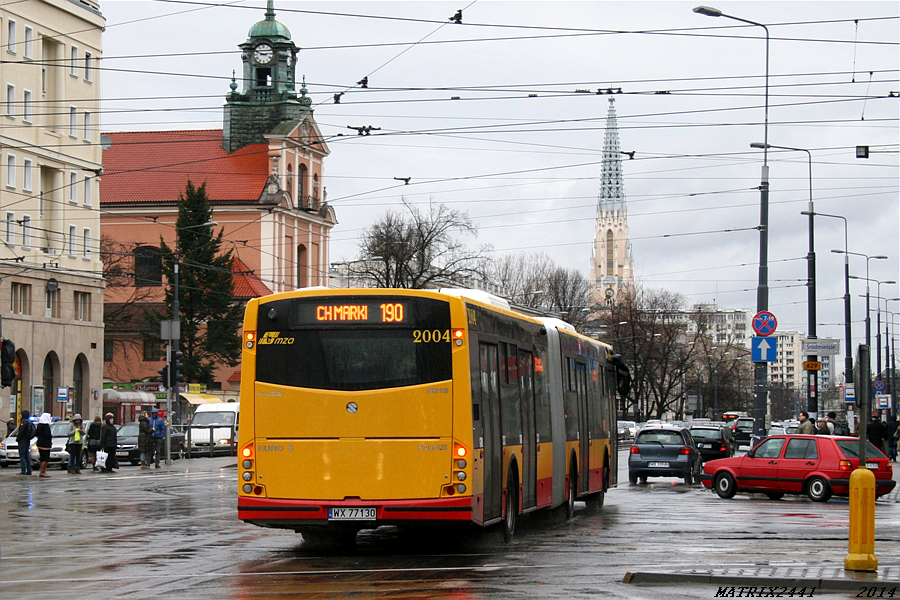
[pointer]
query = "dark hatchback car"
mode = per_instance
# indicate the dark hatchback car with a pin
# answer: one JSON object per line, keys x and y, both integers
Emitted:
{"x": 664, "y": 451}
{"x": 127, "y": 443}
{"x": 742, "y": 431}
{"x": 713, "y": 441}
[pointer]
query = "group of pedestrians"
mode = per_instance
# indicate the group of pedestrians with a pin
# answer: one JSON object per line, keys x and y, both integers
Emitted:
{"x": 882, "y": 435}
{"x": 100, "y": 435}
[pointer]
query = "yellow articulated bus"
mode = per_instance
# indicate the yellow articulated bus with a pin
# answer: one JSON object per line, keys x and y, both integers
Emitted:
{"x": 368, "y": 407}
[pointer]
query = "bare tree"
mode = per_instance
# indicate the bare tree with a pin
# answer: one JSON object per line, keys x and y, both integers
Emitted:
{"x": 418, "y": 250}
{"x": 524, "y": 278}
{"x": 569, "y": 294}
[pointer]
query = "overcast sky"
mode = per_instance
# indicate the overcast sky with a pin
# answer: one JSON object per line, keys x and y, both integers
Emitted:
{"x": 499, "y": 116}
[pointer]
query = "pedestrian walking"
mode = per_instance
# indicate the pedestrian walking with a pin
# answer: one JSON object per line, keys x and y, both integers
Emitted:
{"x": 144, "y": 440}
{"x": 76, "y": 444}
{"x": 806, "y": 426}
{"x": 894, "y": 433}
{"x": 93, "y": 441}
{"x": 108, "y": 440}
{"x": 158, "y": 433}
{"x": 876, "y": 432}
{"x": 23, "y": 438}
{"x": 822, "y": 426}
{"x": 44, "y": 442}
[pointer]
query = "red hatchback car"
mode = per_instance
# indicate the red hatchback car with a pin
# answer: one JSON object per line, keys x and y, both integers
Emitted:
{"x": 815, "y": 465}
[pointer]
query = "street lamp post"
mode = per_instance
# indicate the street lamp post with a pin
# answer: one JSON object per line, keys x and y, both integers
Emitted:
{"x": 812, "y": 380}
{"x": 172, "y": 350}
{"x": 848, "y": 344}
{"x": 762, "y": 293}
{"x": 878, "y": 298}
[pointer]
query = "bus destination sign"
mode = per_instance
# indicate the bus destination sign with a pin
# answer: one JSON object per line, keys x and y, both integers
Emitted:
{"x": 356, "y": 311}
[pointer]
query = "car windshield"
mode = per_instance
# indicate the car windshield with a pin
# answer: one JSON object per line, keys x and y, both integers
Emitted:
{"x": 670, "y": 438}
{"x": 59, "y": 429}
{"x": 706, "y": 434}
{"x": 129, "y": 430}
{"x": 205, "y": 419}
{"x": 850, "y": 449}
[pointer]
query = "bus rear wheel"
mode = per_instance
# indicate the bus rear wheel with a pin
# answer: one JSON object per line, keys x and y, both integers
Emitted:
{"x": 512, "y": 507}
{"x": 573, "y": 491}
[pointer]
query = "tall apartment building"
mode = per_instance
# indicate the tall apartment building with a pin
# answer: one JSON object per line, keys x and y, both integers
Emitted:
{"x": 788, "y": 370}
{"x": 51, "y": 284}
{"x": 725, "y": 326}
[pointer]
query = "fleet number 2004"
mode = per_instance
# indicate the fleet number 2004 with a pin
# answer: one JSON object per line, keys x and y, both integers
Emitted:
{"x": 427, "y": 336}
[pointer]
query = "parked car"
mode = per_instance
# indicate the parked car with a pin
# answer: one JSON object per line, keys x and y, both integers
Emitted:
{"x": 664, "y": 451}
{"x": 742, "y": 431}
{"x": 713, "y": 441}
{"x": 817, "y": 466}
{"x": 127, "y": 443}
{"x": 627, "y": 429}
{"x": 59, "y": 455}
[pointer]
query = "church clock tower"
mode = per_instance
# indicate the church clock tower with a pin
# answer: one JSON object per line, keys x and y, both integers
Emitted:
{"x": 267, "y": 96}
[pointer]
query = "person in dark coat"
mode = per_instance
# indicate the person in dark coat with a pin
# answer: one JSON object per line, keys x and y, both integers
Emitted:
{"x": 93, "y": 440}
{"x": 10, "y": 426}
{"x": 23, "y": 439}
{"x": 44, "y": 442}
{"x": 108, "y": 440}
{"x": 875, "y": 432}
{"x": 144, "y": 439}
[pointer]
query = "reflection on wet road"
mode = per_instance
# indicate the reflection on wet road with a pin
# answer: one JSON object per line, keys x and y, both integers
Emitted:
{"x": 174, "y": 533}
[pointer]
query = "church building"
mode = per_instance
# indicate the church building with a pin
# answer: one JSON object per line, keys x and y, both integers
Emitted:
{"x": 263, "y": 175}
{"x": 612, "y": 264}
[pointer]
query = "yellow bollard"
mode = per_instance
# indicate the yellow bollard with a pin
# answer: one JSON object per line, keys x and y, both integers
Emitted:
{"x": 861, "y": 551}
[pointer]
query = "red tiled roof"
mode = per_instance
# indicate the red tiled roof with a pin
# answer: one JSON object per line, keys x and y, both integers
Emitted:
{"x": 246, "y": 284}
{"x": 154, "y": 166}
{"x": 235, "y": 377}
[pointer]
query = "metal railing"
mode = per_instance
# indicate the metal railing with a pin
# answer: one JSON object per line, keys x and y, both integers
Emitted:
{"x": 211, "y": 450}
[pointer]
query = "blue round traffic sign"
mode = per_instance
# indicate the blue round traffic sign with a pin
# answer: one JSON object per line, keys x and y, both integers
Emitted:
{"x": 764, "y": 323}
{"x": 879, "y": 385}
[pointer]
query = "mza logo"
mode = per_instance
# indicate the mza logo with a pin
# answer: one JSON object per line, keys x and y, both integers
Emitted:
{"x": 274, "y": 337}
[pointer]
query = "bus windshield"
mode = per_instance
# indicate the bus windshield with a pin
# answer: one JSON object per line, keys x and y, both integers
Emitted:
{"x": 355, "y": 345}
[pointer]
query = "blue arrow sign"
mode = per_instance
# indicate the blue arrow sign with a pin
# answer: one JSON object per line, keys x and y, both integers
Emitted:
{"x": 763, "y": 349}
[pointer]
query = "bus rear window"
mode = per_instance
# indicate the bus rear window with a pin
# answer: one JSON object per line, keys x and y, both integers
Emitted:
{"x": 344, "y": 351}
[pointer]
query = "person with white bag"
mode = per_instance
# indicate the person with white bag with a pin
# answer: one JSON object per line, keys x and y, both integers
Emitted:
{"x": 108, "y": 440}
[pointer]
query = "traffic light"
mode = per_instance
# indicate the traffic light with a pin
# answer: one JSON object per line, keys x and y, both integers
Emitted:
{"x": 7, "y": 360}
{"x": 175, "y": 366}
{"x": 164, "y": 375}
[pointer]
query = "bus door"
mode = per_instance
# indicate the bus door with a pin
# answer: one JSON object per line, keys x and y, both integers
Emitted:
{"x": 584, "y": 429}
{"x": 529, "y": 448}
{"x": 490, "y": 421}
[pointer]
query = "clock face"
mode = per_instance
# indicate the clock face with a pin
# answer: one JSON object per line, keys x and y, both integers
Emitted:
{"x": 263, "y": 53}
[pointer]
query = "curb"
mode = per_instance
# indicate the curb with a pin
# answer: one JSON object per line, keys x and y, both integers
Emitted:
{"x": 823, "y": 585}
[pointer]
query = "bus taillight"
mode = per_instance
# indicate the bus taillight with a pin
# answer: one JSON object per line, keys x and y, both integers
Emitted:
{"x": 458, "y": 335}
{"x": 249, "y": 339}
{"x": 460, "y": 451}
{"x": 247, "y": 451}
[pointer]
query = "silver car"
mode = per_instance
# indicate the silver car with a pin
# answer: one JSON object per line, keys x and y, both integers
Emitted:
{"x": 59, "y": 455}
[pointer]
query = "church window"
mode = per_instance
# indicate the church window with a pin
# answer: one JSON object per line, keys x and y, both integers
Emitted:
{"x": 610, "y": 252}
{"x": 264, "y": 78}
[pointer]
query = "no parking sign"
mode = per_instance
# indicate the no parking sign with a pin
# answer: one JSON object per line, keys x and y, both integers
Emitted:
{"x": 764, "y": 323}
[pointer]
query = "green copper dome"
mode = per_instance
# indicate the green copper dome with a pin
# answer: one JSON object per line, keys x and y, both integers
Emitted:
{"x": 269, "y": 27}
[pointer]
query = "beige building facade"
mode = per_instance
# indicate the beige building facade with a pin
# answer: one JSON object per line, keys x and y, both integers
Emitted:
{"x": 51, "y": 284}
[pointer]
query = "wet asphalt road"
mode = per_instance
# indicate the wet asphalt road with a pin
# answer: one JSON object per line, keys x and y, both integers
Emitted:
{"x": 173, "y": 533}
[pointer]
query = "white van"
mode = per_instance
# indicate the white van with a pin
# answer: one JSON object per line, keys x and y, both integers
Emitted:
{"x": 222, "y": 420}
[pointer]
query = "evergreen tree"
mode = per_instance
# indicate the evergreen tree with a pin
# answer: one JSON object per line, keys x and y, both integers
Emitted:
{"x": 210, "y": 317}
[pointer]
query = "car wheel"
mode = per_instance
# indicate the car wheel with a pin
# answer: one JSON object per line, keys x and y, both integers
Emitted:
{"x": 595, "y": 501}
{"x": 643, "y": 479}
{"x": 775, "y": 495}
{"x": 818, "y": 490}
{"x": 4, "y": 465}
{"x": 512, "y": 507}
{"x": 725, "y": 485}
{"x": 689, "y": 477}
{"x": 632, "y": 478}
{"x": 573, "y": 491}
